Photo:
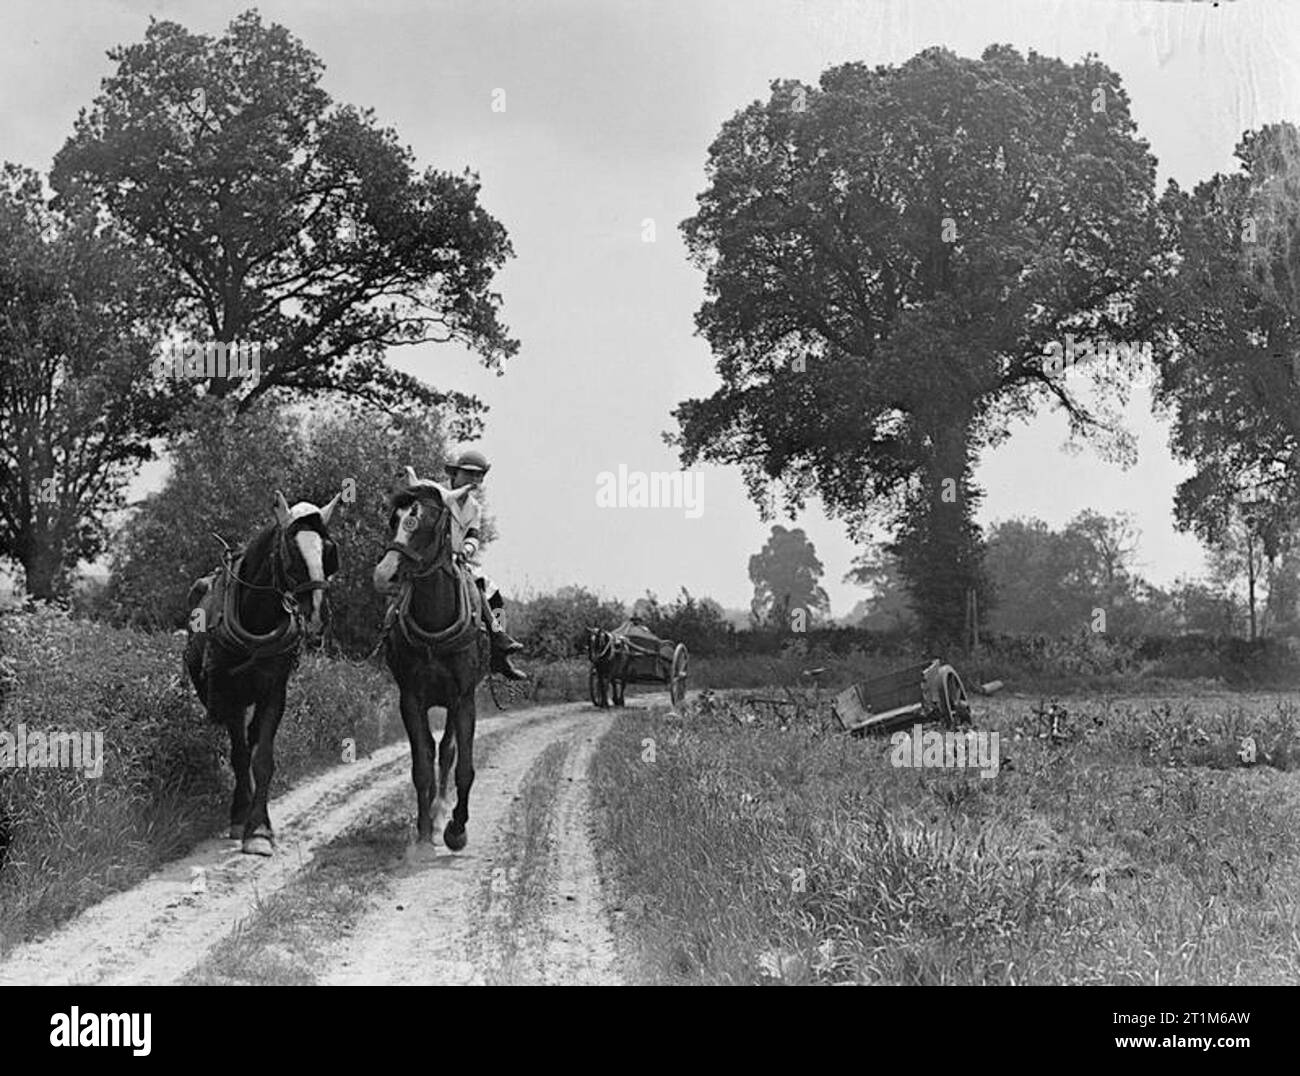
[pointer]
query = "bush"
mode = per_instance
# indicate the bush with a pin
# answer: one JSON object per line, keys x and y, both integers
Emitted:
{"x": 553, "y": 627}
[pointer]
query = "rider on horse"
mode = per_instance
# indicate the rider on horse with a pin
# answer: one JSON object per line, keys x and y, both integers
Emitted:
{"x": 469, "y": 468}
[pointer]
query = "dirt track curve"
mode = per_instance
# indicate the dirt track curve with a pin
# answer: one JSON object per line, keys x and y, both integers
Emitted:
{"x": 455, "y": 920}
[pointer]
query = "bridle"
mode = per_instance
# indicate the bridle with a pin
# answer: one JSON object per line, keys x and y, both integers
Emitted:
{"x": 281, "y": 581}
{"x": 288, "y": 635}
{"x": 605, "y": 650}
{"x": 436, "y": 559}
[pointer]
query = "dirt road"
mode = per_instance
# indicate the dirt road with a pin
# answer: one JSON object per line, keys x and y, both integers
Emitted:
{"x": 522, "y": 900}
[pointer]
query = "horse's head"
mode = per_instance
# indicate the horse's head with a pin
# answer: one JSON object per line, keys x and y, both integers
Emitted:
{"x": 419, "y": 528}
{"x": 598, "y": 643}
{"x": 308, "y": 556}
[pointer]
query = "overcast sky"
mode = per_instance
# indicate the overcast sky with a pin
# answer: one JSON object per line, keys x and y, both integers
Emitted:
{"x": 610, "y": 108}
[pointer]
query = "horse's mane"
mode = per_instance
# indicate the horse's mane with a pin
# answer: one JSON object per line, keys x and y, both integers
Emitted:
{"x": 258, "y": 549}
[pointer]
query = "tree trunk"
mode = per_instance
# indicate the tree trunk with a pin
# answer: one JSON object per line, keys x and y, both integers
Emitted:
{"x": 1250, "y": 576}
{"x": 938, "y": 545}
{"x": 45, "y": 573}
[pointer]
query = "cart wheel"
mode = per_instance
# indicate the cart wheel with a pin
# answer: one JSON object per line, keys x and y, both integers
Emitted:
{"x": 619, "y": 691}
{"x": 596, "y": 686}
{"x": 954, "y": 706}
{"x": 677, "y": 676}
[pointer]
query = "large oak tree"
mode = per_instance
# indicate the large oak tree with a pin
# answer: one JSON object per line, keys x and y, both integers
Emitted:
{"x": 887, "y": 256}
{"x": 286, "y": 219}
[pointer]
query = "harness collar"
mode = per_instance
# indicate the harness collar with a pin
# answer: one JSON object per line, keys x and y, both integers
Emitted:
{"x": 286, "y": 636}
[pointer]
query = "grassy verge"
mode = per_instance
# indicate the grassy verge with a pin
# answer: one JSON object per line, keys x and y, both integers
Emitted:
{"x": 68, "y": 839}
{"x": 1124, "y": 843}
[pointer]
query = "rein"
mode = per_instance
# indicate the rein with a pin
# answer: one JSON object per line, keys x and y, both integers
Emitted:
{"x": 451, "y": 639}
{"x": 280, "y": 640}
{"x": 605, "y": 651}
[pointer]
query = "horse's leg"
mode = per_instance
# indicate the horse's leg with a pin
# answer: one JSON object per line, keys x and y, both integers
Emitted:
{"x": 415, "y": 716}
{"x": 466, "y": 716}
{"x": 446, "y": 759}
{"x": 240, "y": 761}
{"x": 260, "y": 840}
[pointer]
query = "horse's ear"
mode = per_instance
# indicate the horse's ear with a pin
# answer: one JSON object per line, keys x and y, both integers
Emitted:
{"x": 412, "y": 479}
{"x": 328, "y": 510}
{"x": 281, "y": 509}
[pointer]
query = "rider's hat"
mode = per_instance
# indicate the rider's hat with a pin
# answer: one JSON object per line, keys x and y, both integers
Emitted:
{"x": 469, "y": 460}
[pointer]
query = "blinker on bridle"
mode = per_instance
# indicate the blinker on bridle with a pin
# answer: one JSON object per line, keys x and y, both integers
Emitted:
{"x": 281, "y": 581}
{"x": 425, "y": 565}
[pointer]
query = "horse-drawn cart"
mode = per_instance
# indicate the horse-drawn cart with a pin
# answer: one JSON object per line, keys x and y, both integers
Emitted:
{"x": 631, "y": 654}
{"x": 928, "y": 691}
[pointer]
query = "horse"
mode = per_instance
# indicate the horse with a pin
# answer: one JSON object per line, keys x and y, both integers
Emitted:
{"x": 602, "y": 654}
{"x": 245, "y": 632}
{"x": 436, "y": 647}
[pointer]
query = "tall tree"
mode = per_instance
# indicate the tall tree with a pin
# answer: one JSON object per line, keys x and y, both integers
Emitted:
{"x": 889, "y": 607}
{"x": 786, "y": 574}
{"x": 888, "y": 258}
{"x": 1041, "y": 579}
{"x": 1240, "y": 555}
{"x": 80, "y": 310}
{"x": 1282, "y": 611}
{"x": 285, "y": 219}
{"x": 1050, "y": 582}
{"x": 1230, "y": 372}
{"x": 1113, "y": 541}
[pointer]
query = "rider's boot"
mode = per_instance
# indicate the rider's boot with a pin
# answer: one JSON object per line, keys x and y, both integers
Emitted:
{"x": 501, "y": 642}
{"x": 502, "y": 647}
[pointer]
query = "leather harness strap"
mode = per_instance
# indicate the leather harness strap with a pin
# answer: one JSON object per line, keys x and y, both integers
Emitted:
{"x": 287, "y": 636}
{"x": 449, "y": 640}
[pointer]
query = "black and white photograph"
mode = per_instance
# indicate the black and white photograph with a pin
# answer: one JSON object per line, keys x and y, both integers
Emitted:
{"x": 625, "y": 493}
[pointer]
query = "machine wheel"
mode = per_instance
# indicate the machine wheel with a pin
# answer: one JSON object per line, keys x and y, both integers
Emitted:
{"x": 598, "y": 688}
{"x": 954, "y": 707}
{"x": 677, "y": 675}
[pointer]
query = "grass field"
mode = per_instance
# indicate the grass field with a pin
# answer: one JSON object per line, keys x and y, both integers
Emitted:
{"x": 1130, "y": 846}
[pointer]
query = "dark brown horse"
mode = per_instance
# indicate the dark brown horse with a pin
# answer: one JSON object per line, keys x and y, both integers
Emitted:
{"x": 601, "y": 652}
{"x": 436, "y": 646}
{"x": 247, "y": 627}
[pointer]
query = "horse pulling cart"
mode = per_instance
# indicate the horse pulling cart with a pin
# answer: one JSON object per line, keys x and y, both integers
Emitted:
{"x": 631, "y": 654}
{"x": 928, "y": 691}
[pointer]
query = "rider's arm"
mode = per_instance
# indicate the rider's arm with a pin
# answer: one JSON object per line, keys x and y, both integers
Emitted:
{"x": 471, "y": 543}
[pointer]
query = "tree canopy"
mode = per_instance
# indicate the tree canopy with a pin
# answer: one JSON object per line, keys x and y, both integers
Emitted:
{"x": 1230, "y": 367}
{"x": 887, "y": 258}
{"x": 80, "y": 310}
{"x": 284, "y": 218}
{"x": 786, "y": 575}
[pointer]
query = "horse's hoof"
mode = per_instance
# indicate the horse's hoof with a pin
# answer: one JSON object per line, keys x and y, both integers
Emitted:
{"x": 422, "y": 851}
{"x": 260, "y": 844}
{"x": 236, "y": 832}
{"x": 454, "y": 837}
